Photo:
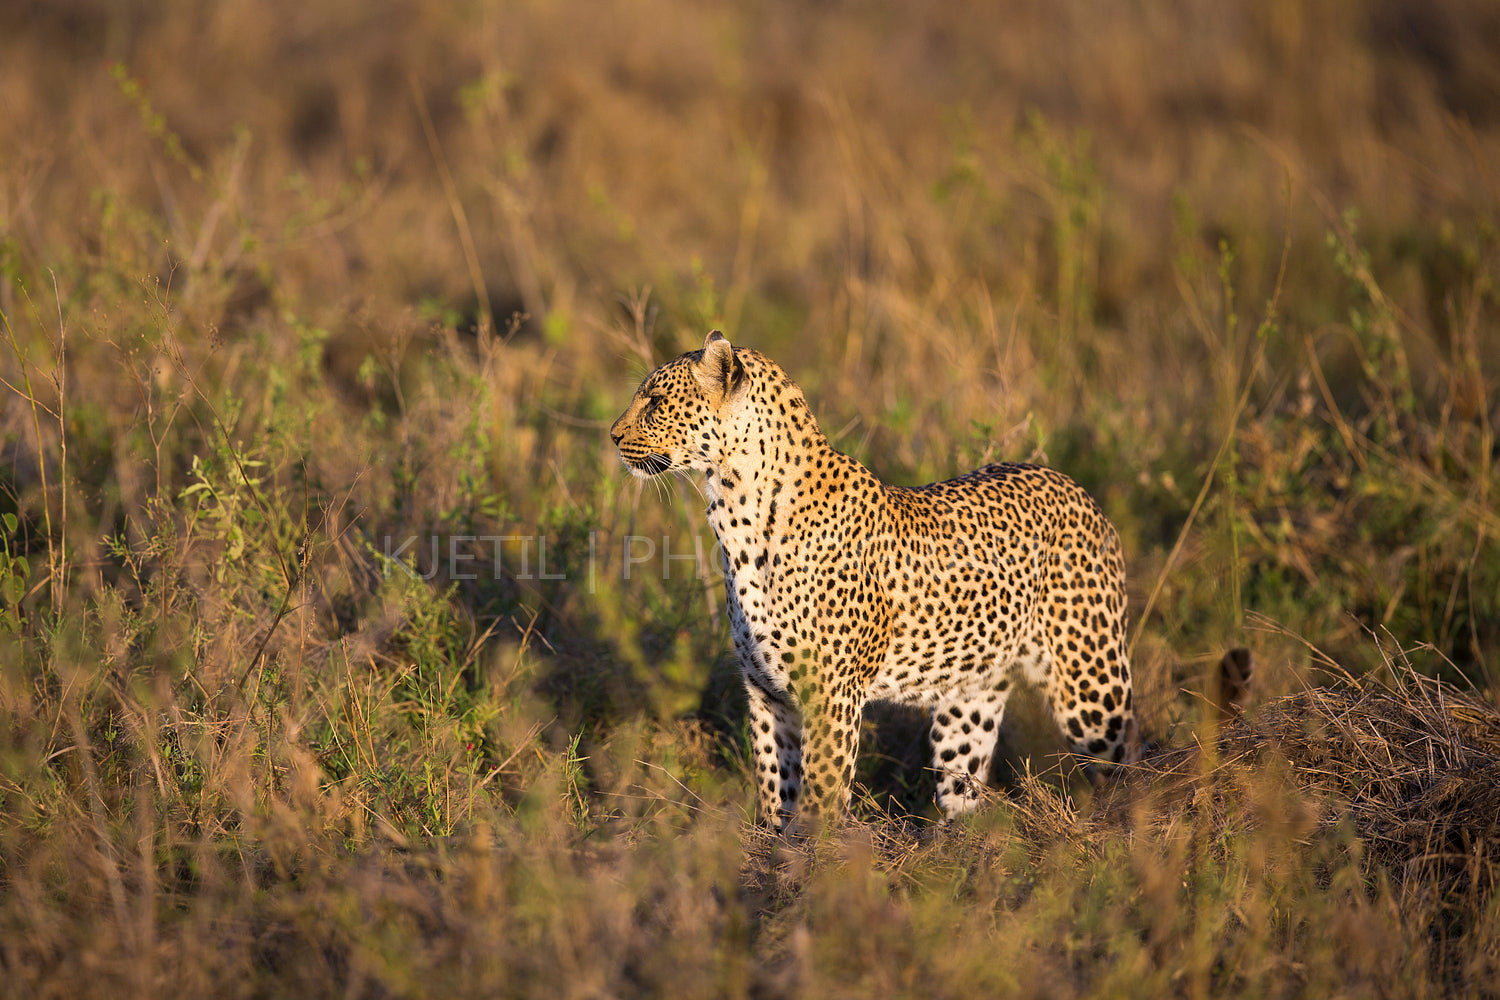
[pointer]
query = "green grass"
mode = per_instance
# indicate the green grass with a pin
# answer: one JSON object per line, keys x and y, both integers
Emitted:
{"x": 320, "y": 669}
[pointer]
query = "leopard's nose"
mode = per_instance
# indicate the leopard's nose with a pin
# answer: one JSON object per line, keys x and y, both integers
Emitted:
{"x": 616, "y": 435}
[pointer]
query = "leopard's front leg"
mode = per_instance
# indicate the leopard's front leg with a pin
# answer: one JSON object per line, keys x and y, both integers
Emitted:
{"x": 829, "y": 746}
{"x": 776, "y": 740}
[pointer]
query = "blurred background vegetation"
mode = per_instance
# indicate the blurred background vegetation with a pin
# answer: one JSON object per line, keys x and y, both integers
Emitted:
{"x": 301, "y": 299}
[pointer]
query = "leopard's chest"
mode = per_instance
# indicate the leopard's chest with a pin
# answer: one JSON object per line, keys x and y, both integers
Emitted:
{"x": 797, "y": 542}
{"x": 771, "y": 625}
{"x": 804, "y": 604}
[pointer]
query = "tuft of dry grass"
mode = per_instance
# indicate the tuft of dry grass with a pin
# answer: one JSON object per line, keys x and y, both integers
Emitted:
{"x": 1411, "y": 764}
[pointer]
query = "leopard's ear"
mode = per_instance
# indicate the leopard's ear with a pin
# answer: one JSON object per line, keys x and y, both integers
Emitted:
{"x": 719, "y": 373}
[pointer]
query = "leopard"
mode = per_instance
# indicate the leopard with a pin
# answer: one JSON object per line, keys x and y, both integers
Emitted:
{"x": 842, "y": 589}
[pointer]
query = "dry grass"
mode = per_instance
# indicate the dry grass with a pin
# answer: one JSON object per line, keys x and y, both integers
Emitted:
{"x": 301, "y": 301}
{"x": 1406, "y": 764}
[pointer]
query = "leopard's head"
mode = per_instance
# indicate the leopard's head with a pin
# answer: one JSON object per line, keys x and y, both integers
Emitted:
{"x": 676, "y": 420}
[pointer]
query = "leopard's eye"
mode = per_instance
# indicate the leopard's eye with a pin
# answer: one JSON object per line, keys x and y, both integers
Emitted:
{"x": 651, "y": 405}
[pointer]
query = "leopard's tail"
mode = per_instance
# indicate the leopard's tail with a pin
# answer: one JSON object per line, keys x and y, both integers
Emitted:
{"x": 1232, "y": 692}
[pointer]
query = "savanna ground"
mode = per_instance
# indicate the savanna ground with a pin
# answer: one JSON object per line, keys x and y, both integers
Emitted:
{"x": 306, "y": 302}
